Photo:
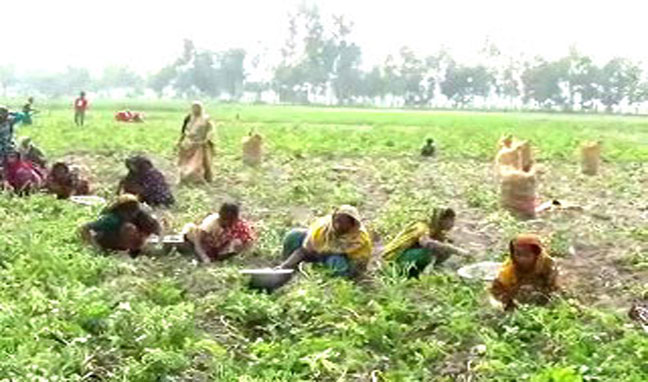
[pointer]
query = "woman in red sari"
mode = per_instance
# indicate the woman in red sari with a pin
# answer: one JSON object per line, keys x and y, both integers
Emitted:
{"x": 20, "y": 175}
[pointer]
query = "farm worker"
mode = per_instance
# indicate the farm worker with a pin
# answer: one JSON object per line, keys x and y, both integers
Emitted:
{"x": 28, "y": 110}
{"x": 530, "y": 275}
{"x": 429, "y": 149}
{"x": 339, "y": 241}
{"x": 220, "y": 235}
{"x": 80, "y": 107}
{"x": 63, "y": 182}
{"x": 146, "y": 182}
{"x": 123, "y": 226}
{"x": 422, "y": 242}
{"x": 196, "y": 149}
{"x": 21, "y": 175}
{"x": 29, "y": 151}
{"x": 7, "y": 122}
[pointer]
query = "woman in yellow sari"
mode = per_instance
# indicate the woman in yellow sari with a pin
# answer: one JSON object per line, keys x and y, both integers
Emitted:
{"x": 339, "y": 241}
{"x": 422, "y": 242}
{"x": 196, "y": 149}
{"x": 530, "y": 275}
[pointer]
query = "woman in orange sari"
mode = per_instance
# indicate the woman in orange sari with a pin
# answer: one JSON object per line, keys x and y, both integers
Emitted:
{"x": 530, "y": 275}
{"x": 196, "y": 149}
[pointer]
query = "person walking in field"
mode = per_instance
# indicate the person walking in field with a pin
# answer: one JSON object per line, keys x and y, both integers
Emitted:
{"x": 196, "y": 149}
{"x": 80, "y": 107}
{"x": 28, "y": 110}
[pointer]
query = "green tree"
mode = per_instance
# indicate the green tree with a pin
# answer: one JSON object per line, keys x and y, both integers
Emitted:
{"x": 162, "y": 79}
{"x": 115, "y": 77}
{"x": 463, "y": 83}
{"x": 621, "y": 80}
{"x": 543, "y": 82}
{"x": 231, "y": 72}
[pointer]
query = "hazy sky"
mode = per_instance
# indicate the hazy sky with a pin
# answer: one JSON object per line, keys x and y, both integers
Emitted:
{"x": 146, "y": 34}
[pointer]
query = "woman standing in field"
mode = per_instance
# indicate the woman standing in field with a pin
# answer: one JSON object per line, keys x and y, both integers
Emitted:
{"x": 196, "y": 149}
{"x": 339, "y": 241}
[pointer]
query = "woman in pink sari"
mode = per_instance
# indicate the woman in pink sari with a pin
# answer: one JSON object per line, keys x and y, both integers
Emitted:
{"x": 20, "y": 175}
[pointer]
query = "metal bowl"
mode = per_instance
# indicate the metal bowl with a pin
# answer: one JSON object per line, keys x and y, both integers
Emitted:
{"x": 267, "y": 278}
{"x": 486, "y": 271}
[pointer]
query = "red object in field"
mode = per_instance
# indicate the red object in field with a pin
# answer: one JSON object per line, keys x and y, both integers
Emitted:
{"x": 129, "y": 116}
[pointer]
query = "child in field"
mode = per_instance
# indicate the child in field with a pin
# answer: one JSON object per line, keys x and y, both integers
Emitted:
{"x": 123, "y": 226}
{"x": 530, "y": 275}
{"x": 422, "y": 242}
{"x": 146, "y": 182}
{"x": 219, "y": 236}
{"x": 339, "y": 241}
{"x": 28, "y": 110}
{"x": 80, "y": 107}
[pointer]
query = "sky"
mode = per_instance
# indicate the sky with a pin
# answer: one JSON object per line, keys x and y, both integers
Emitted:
{"x": 147, "y": 34}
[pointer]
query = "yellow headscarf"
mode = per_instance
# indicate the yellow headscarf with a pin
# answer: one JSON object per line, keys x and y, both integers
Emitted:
{"x": 509, "y": 276}
{"x": 322, "y": 238}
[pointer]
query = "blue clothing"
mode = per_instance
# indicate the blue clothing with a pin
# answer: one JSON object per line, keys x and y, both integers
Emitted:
{"x": 7, "y": 144}
{"x": 338, "y": 263}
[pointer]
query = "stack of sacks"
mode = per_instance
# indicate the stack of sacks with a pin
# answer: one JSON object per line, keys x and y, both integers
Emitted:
{"x": 513, "y": 154}
{"x": 590, "y": 157}
{"x": 252, "y": 149}
{"x": 517, "y": 177}
{"x": 518, "y": 191}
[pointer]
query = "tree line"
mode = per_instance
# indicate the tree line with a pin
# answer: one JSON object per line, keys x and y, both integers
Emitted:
{"x": 319, "y": 63}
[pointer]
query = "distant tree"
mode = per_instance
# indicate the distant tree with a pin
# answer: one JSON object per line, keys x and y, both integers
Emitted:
{"x": 115, "y": 77}
{"x": 543, "y": 82}
{"x": 583, "y": 79}
{"x": 231, "y": 72}
{"x": 162, "y": 79}
{"x": 620, "y": 80}
{"x": 346, "y": 76}
{"x": 76, "y": 79}
{"x": 463, "y": 83}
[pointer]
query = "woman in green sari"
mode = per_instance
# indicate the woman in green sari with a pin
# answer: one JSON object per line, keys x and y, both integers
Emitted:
{"x": 420, "y": 243}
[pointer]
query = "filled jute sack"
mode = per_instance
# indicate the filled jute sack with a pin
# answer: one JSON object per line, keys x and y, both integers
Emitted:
{"x": 590, "y": 157}
{"x": 518, "y": 192}
{"x": 252, "y": 149}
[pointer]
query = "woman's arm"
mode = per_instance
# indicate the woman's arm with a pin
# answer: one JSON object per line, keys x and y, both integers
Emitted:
{"x": 429, "y": 243}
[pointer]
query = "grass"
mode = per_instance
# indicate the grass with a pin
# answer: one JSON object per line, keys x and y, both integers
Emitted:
{"x": 70, "y": 314}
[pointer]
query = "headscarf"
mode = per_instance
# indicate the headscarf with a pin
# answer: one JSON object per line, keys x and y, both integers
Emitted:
{"x": 155, "y": 189}
{"x": 323, "y": 239}
{"x": 510, "y": 274}
{"x": 410, "y": 236}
